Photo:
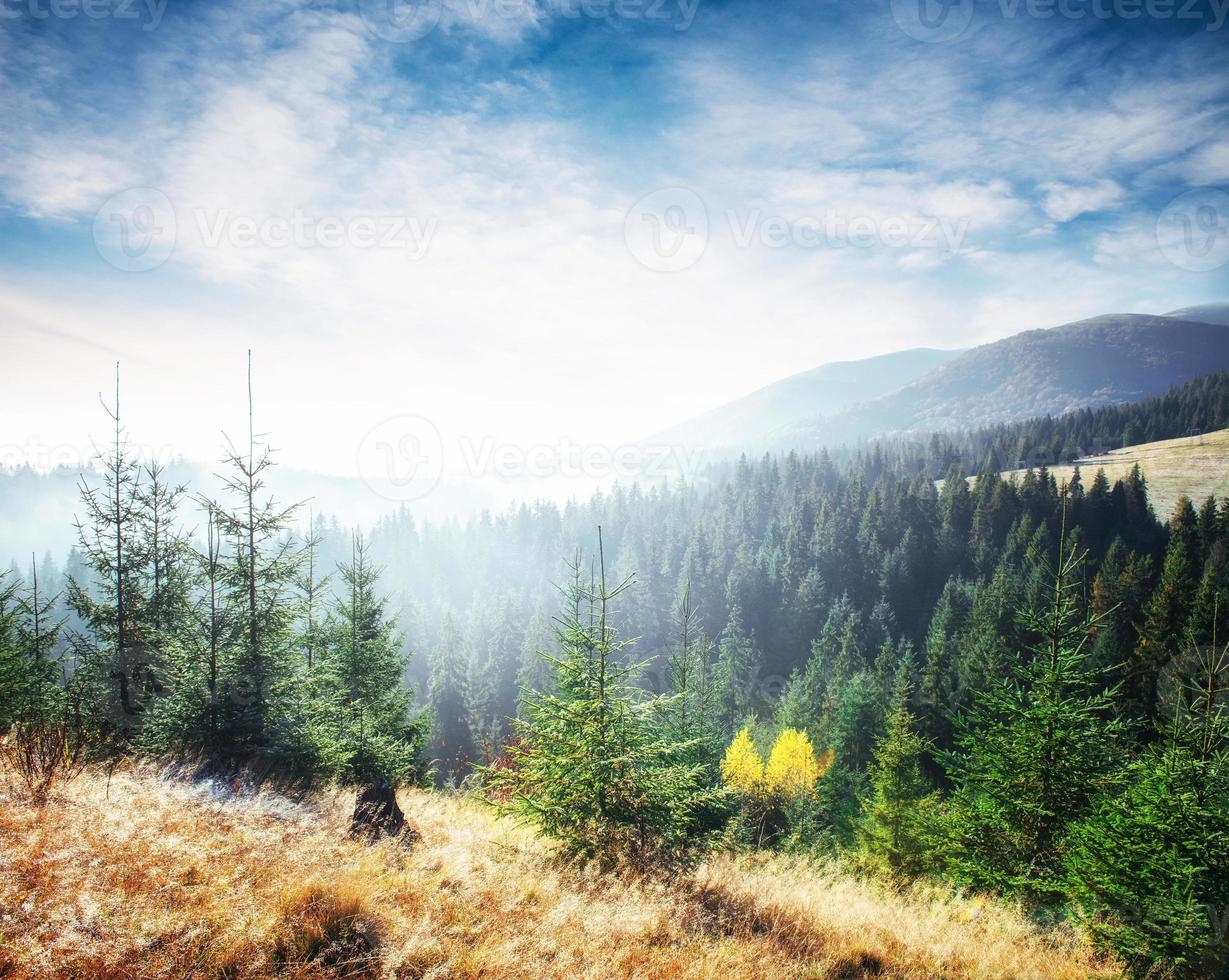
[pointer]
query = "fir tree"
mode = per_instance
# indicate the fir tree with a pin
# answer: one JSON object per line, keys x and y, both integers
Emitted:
{"x": 260, "y": 581}
{"x": 1149, "y": 868}
{"x": 112, "y": 657}
{"x": 362, "y": 706}
{"x": 896, "y": 825}
{"x": 1034, "y": 753}
{"x": 591, "y": 766}
{"x": 690, "y": 713}
{"x": 452, "y": 741}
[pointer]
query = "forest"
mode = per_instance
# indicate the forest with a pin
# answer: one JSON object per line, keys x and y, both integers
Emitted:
{"x": 886, "y": 653}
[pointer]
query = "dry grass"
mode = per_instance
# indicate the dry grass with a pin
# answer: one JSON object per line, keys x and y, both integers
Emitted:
{"x": 1197, "y": 466}
{"x": 158, "y": 881}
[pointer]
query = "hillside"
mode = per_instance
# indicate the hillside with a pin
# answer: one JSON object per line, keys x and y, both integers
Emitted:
{"x": 1104, "y": 360}
{"x": 153, "y": 879}
{"x": 1197, "y": 466}
{"x": 765, "y": 416}
{"x": 1206, "y": 313}
{"x": 1101, "y": 361}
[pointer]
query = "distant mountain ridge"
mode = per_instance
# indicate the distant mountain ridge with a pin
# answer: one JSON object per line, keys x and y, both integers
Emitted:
{"x": 829, "y": 389}
{"x": 1099, "y": 361}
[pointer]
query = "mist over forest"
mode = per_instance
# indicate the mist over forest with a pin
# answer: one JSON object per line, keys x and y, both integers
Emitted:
{"x": 614, "y": 489}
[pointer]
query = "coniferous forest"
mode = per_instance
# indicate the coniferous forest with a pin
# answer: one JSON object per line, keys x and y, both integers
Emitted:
{"x": 1010, "y": 685}
{"x": 614, "y": 489}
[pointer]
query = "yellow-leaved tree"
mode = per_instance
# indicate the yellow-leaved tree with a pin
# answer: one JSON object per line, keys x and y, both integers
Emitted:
{"x": 792, "y": 767}
{"x": 742, "y": 769}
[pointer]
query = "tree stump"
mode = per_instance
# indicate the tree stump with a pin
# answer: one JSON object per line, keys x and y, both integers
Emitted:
{"x": 377, "y": 814}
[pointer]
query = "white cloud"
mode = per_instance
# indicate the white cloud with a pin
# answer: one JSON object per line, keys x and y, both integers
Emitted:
{"x": 1063, "y": 202}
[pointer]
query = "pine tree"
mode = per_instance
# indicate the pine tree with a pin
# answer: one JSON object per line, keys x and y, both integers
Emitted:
{"x": 690, "y": 714}
{"x": 1165, "y": 626}
{"x": 1149, "y": 868}
{"x": 896, "y": 825}
{"x": 1034, "y": 753}
{"x": 452, "y": 741}
{"x": 591, "y": 766}
{"x": 362, "y": 711}
{"x": 260, "y": 581}
{"x": 737, "y": 672}
{"x": 112, "y": 657}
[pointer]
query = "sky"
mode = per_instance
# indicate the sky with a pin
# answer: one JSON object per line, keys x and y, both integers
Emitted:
{"x": 468, "y": 229}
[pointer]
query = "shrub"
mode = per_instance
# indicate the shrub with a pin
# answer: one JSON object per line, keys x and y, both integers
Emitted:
{"x": 43, "y": 753}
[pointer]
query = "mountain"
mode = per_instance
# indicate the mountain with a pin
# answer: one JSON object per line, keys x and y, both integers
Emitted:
{"x": 1207, "y": 313}
{"x": 1100, "y": 361}
{"x": 765, "y": 416}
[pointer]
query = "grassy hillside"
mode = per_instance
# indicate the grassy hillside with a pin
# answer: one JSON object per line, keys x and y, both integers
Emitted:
{"x": 1197, "y": 466}
{"x": 143, "y": 878}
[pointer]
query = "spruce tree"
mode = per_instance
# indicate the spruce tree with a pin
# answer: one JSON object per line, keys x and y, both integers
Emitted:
{"x": 198, "y": 713}
{"x": 896, "y": 826}
{"x": 111, "y": 655}
{"x": 259, "y": 579}
{"x": 1164, "y": 631}
{"x": 591, "y": 765}
{"x": 1034, "y": 752}
{"x": 452, "y": 741}
{"x": 1149, "y": 868}
{"x": 690, "y": 714}
{"x": 362, "y": 714}
{"x": 737, "y": 674}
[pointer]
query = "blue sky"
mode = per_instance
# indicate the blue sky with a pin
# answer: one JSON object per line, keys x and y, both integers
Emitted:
{"x": 585, "y": 220}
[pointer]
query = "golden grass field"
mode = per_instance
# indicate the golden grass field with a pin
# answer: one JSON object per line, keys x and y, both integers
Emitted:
{"x": 1197, "y": 466}
{"x": 153, "y": 879}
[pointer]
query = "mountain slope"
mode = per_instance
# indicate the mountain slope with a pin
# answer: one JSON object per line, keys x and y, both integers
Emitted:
{"x": 762, "y": 416}
{"x": 1207, "y": 313}
{"x": 1099, "y": 361}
